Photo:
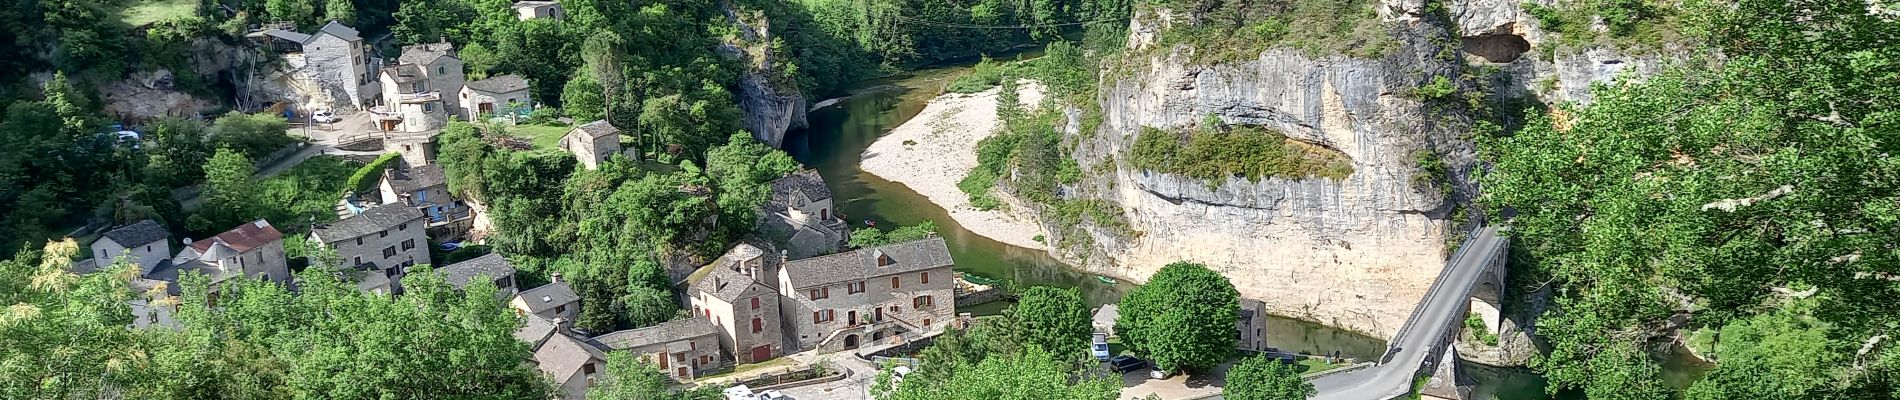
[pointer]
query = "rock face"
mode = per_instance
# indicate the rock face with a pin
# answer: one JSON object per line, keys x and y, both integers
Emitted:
{"x": 148, "y": 94}
{"x": 1356, "y": 253}
{"x": 1488, "y": 29}
{"x": 771, "y": 108}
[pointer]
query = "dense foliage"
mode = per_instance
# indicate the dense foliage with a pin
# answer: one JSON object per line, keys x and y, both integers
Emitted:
{"x": 992, "y": 361}
{"x": 65, "y": 336}
{"x": 1217, "y": 151}
{"x": 873, "y": 237}
{"x": 1265, "y": 378}
{"x": 1054, "y": 319}
{"x": 628, "y": 378}
{"x": 1182, "y": 319}
{"x": 1752, "y": 191}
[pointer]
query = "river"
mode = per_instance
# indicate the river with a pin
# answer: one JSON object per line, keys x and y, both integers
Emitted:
{"x": 839, "y": 133}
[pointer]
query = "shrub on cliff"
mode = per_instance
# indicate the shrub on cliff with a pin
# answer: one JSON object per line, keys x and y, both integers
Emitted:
{"x": 1183, "y": 318}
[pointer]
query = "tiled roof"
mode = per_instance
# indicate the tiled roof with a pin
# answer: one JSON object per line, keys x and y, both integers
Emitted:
{"x": 534, "y": 329}
{"x": 807, "y": 183}
{"x": 404, "y": 73}
{"x": 138, "y": 233}
{"x": 562, "y": 356}
{"x": 670, "y": 331}
{"x": 862, "y": 264}
{"x": 548, "y": 296}
{"x": 500, "y": 84}
{"x": 423, "y": 54}
{"x": 489, "y": 266}
{"x": 339, "y": 30}
{"x": 377, "y": 219}
{"x": 242, "y": 238}
{"x": 597, "y": 129}
{"x": 417, "y": 178}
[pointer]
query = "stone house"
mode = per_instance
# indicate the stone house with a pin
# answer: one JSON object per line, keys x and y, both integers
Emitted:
{"x": 537, "y": 9}
{"x": 412, "y": 103}
{"x": 144, "y": 243}
{"x": 491, "y": 267}
{"x": 846, "y": 300}
{"x": 382, "y": 242}
{"x": 494, "y": 96}
{"x": 1252, "y": 326}
{"x": 592, "y": 143}
{"x": 426, "y": 189}
{"x": 800, "y": 214}
{"x": 571, "y": 364}
{"x": 683, "y": 348}
{"x": 554, "y": 302}
{"x": 441, "y": 66}
{"x": 734, "y": 295}
{"x": 253, "y": 249}
{"x": 331, "y": 65}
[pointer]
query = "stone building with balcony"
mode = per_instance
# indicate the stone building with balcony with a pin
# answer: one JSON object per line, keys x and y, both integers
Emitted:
{"x": 847, "y": 300}
{"x": 411, "y": 104}
{"x": 330, "y": 67}
{"x": 427, "y": 190}
{"x": 734, "y": 294}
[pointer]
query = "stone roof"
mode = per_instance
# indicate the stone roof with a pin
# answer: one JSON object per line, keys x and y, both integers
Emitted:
{"x": 426, "y": 53}
{"x": 339, "y": 30}
{"x": 670, "y": 331}
{"x": 138, "y": 233}
{"x": 806, "y": 182}
{"x": 862, "y": 264}
{"x": 534, "y": 3}
{"x": 489, "y": 266}
{"x": 535, "y": 329}
{"x": 500, "y": 84}
{"x": 596, "y": 129}
{"x": 548, "y": 296}
{"x": 377, "y": 219}
{"x": 287, "y": 35}
{"x": 562, "y": 356}
{"x": 240, "y": 239}
{"x": 726, "y": 284}
{"x": 404, "y": 73}
{"x": 417, "y": 178}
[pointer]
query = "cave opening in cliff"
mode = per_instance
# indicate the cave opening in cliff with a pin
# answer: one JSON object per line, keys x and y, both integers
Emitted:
{"x": 1496, "y": 48}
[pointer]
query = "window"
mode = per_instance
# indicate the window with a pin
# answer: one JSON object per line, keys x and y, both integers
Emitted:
{"x": 926, "y": 278}
{"x": 588, "y": 369}
{"x": 382, "y": 234}
{"x": 757, "y": 324}
{"x": 358, "y": 260}
{"x": 819, "y": 293}
{"x": 505, "y": 282}
{"x": 755, "y": 303}
{"x": 407, "y": 244}
{"x": 894, "y": 282}
{"x": 441, "y": 70}
{"x": 854, "y": 288}
{"x": 405, "y": 225}
{"x": 359, "y": 241}
{"x": 822, "y": 316}
{"x": 921, "y": 302}
{"x": 149, "y": 248}
{"x": 705, "y": 359}
{"x": 692, "y": 346}
{"x": 428, "y": 106}
{"x": 560, "y": 309}
{"x": 926, "y": 323}
{"x": 389, "y": 251}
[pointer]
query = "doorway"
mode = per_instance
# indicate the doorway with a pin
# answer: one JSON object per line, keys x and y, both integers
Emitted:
{"x": 761, "y": 353}
{"x": 850, "y": 342}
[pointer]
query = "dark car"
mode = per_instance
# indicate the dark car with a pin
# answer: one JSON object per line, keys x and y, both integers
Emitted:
{"x": 1124, "y": 364}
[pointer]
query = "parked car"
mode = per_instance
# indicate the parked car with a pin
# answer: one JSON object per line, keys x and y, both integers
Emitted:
{"x": 1126, "y": 364}
{"x": 1099, "y": 348}
{"x": 323, "y": 117}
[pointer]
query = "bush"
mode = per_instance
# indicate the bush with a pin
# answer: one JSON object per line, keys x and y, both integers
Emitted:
{"x": 1438, "y": 88}
{"x": 544, "y": 116}
{"x": 370, "y": 174}
{"x": 1215, "y": 152}
{"x": 255, "y": 135}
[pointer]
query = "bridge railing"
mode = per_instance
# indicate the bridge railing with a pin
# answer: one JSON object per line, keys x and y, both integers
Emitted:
{"x": 1431, "y": 292}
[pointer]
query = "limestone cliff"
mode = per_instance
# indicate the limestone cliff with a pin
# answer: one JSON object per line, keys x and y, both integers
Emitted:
{"x": 771, "y": 106}
{"x": 1355, "y": 253}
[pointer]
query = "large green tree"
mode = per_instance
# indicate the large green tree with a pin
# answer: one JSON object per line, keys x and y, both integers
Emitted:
{"x": 1711, "y": 190}
{"x": 1055, "y": 319}
{"x": 628, "y": 378}
{"x": 230, "y": 195}
{"x": 1034, "y": 374}
{"x": 1265, "y": 378}
{"x": 1183, "y": 318}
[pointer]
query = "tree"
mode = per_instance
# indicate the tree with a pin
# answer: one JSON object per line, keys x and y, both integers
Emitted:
{"x": 1034, "y": 375}
{"x": 300, "y": 12}
{"x": 62, "y": 335}
{"x": 1266, "y": 378}
{"x": 1055, "y": 319}
{"x": 872, "y": 237}
{"x": 175, "y": 145}
{"x": 628, "y": 378}
{"x": 257, "y": 135}
{"x": 1183, "y": 318}
{"x": 341, "y": 11}
{"x": 230, "y": 195}
{"x": 582, "y": 99}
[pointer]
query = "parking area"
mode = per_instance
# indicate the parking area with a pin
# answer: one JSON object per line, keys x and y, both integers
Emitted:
{"x": 1137, "y": 384}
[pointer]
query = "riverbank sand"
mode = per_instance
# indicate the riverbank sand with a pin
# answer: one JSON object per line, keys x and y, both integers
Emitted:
{"x": 936, "y": 149}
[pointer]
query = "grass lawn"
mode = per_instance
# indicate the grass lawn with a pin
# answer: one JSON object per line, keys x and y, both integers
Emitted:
{"x": 744, "y": 368}
{"x": 1311, "y": 365}
{"x": 149, "y": 11}
{"x": 543, "y": 136}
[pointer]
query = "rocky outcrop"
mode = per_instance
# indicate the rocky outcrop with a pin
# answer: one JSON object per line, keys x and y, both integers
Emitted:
{"x": 152, "y": 93}
{"x": 1503, "y": 34}
{"x": 771, "y": 107}
{"x": 1355, "y": 253}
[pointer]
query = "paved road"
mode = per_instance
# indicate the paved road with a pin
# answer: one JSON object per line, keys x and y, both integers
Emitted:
{"x": 1443, "y": 303}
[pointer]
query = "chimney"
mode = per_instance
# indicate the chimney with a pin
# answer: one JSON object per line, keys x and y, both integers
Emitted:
{"x": 554, "y": 277}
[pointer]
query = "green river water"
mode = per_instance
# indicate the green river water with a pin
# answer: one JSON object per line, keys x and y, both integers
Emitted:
{"x": 839, "y": 133}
